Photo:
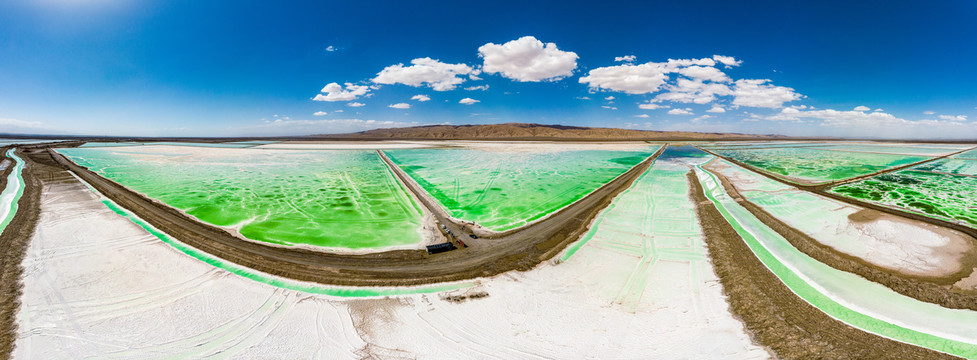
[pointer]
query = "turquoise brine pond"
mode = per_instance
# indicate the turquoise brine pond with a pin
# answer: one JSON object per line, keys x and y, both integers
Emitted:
{"x": 341, "y": 198}
{"x": 502, "y": 190}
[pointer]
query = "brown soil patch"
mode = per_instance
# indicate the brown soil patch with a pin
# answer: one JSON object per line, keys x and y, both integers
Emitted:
{"x": 865, "y": 215}
{"x": 14, "y": 242}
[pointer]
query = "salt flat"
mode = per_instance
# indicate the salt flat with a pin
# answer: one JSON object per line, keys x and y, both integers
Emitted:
{"x": 97, "y": 285}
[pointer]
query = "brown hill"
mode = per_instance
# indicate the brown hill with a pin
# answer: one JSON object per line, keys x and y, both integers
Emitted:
{"x": 518, "y": 131}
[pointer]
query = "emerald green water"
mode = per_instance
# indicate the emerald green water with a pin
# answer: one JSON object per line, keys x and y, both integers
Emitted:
{"x": 812, "y": 164}
{"x": 10, "y": 196}
{"x": 761, "y": 145}
{"x": 970, "y": 155}
{"x": 346, "y": 199}
{"x": 844, "y": 296}
{"x": 945, "y": 196}
{"x": 277, "y": 282}
{"x": 950, "y": 166}
{"x": 505, "y": 190}
{"x": 906, "y": 149}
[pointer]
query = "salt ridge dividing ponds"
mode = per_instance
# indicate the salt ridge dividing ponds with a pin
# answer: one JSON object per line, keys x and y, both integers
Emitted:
{"x": 844, "y": 296}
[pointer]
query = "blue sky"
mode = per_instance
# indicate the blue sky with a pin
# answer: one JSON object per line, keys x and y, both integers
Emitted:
{"x": 191, "y": 68}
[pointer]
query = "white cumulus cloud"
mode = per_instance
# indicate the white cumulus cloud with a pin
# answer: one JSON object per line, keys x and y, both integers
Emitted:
{"x": 716, "y": 109}
{"x": 320, "y": 113}
{"x": 862, "y": 108}
{"x": 703, "y": 73}
{"x": 757, "y": 93}
{"x": 652, "y": 106}
{"x": 632, "y": 79}
{"x": 421, "y": 98}
{"x": 425, "y": 72}
{"x": 356, "y": 104}
{"x": 467, "y": 101}
{"x": 642, "y": 116}
{"x": 694, "y": 91}
{"x": 480, "y": 87}
{"x": 688, "y": 81}
{"x": 527, "y": 59}
{"x": 399, "y": 106}
{"x": 685, "y": 111}
{"x": 929, "y": 112}
{"x": 335, "y": 92}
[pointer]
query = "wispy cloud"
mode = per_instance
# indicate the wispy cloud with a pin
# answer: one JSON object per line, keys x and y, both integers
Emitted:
{"x": 878, "y": 123}
{"x": 16, "y": 126}
{"x": 280, "y": 127}
{"x": 625, "y": 58}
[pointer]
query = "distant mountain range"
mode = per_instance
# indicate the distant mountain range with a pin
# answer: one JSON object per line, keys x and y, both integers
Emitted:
{"x": 519, "y": 131}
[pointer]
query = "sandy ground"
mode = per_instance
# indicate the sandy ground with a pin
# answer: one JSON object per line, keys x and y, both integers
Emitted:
{"x": 97, "y": 285}
{"x": 895, "y": 243}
